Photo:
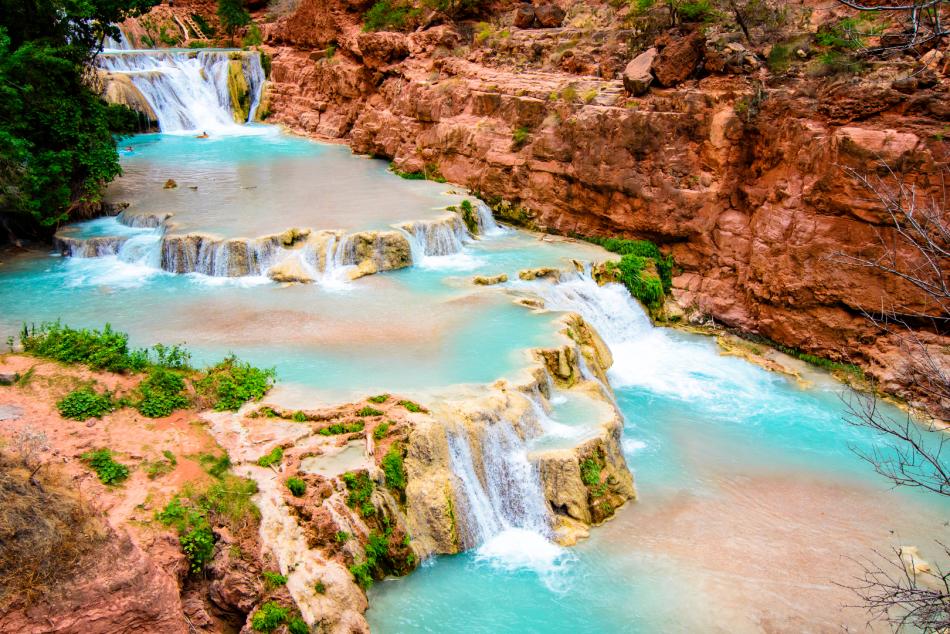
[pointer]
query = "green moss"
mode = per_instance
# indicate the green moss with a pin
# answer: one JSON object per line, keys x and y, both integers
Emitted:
{"x": 343, "y": 428}
{"x": 298, "y": 626}
{"x": 298, "y": 417}
{"x": 520, "y": 136}
{"x": 161, "y": 393}
{"x": 239, "y": 90}
{"x": 380, "y": 398}
{"x": 320, "y": 587}
{"x": 369, "y": 411}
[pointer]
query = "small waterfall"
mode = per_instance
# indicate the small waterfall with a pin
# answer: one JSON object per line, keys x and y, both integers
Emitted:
{"x": 143, "y": 249}
{"x": 430, "y": 238}
{"x": 122, "y": 44}
{"x": 486, "y": 221}
{"x": 508, "y": 494}
{"x": 254, "y": 73}
{"x": 187, "y": 90}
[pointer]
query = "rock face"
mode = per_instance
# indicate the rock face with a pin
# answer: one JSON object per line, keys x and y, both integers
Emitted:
{"x": 123, "y": 591}
{"x": 743, "y": 185}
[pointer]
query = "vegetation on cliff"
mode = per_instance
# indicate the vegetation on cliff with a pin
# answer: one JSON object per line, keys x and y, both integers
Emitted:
{"x": 56, "y": 144}
{"x": 171, "y": 383}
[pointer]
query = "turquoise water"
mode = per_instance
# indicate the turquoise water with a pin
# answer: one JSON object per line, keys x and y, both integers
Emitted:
{"x": 749, "y": 491}
{"x": 752, "y": 502}
{"x": 251, "y": 185}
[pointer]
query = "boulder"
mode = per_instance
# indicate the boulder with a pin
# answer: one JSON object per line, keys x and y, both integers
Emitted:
{"x": 549, "y": 15}
{"x": 544, "y": 272}
{"x": 637, "y": 76}
{"x": 489, "y": 280}
{"x": 678, "y": 58}
{"x": 523, "y": 16}
{"x": 290, "y": 271}
{"x": 382, "y": 48}
{"x": 170, "y": 184}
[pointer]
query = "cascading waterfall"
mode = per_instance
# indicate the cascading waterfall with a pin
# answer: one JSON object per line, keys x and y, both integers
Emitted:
{"x": 122, "y": 44}
{"x": 486, "y": 221}
{"x": 436, "y": 238}
{"x": 508, "y": 493}
{"x": 187, "y": 90}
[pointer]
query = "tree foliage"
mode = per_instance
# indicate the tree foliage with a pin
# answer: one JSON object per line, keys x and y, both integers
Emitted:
{"x": 56, "y": 144}
{"x": 233, "y": 16}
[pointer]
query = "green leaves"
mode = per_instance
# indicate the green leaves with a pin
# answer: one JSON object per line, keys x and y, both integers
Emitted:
{"x": 108, "y": 470}
{"x": 84, "y": 403}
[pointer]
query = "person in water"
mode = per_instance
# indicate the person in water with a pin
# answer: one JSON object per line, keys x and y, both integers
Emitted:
{"x": 128, "y": 148}
{"x": 203, "y": 135}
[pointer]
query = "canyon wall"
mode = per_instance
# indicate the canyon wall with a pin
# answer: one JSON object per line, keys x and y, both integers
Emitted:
{"x": 739, "y": 172}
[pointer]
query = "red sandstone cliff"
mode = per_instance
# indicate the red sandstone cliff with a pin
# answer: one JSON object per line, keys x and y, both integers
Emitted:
{"x": 737, "y": 170}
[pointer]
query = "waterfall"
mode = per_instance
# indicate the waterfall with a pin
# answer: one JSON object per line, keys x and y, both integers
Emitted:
{"x": 486, "y": 221}
{"x": 188, "y": 90}
{"x": 122, "y": 44}
{"x": 508, "y": 493}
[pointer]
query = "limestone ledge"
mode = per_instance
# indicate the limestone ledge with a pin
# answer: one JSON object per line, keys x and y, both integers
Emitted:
{"x": 427, "y": 517}
{"x": 297, "y": 255}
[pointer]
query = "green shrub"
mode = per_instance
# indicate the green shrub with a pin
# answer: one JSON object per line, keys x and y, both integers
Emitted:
{"x": 369, "y": 411}
{"x": 161, "y": 393}
{"x": 387, "y": 15}
{"x": 380, "y": 432}
{"x": 269, "y": 617}
{"x": 104, "y": 349}
{"x": 342, "y": 537}
{"x": 381, "y": 398}
{"x": 412, "y": 407}
{"x": 299, "y": 417}
{"x": 360, "y": 489}
{"x": 274, "y": 457}
{"x": 469, "y": 217}
{"x": 320, "y": 587}
{"x": 343, "y": 428}
{"x": 297, "y": 486}
{"x": 109, "y": 471}
{"x": 363, "y": 575}
{"x": 520, "y": 136}
{"x": 231, "y": 383}
{"x": 273, "y": 579}
{"x": 198, "y": 546}
{"x": 203, "y": 24}
{"x": 780, "y": 58}
{"x": 590, "y": 472}
{"x": 298, "y": 626}
{"x": 215, "y": 465}
{"x": 253, "y": 36}
{"x": 84, "y": 403}
{"x": 394, "y": 469}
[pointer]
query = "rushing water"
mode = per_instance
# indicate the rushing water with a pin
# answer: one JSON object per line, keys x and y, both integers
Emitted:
{"x": 752, "y": 503}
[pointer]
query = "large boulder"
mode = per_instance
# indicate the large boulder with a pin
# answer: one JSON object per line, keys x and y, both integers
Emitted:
{"x": 637, "y": 76}
{"x": 523, "y": 16}
{"x": 549, "y": 15}
{"x": 679, "y": 57}
{"x": 382, "y": 48}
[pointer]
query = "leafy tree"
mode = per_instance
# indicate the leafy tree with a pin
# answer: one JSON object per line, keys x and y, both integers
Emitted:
{"x": 233, "y": 16}
{"x": 56, "y": 144}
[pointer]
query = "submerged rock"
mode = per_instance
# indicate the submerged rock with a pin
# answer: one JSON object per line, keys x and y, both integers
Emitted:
{"x": 291, "y": 271}
{"x": 544, "y": 272}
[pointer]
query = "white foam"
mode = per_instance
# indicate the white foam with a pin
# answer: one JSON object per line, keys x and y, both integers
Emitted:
{"x": 517, "y": 549}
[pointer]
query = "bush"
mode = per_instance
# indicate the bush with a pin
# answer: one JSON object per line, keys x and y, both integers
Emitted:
{"x": 320, "y": 587}
{"x": 412, "y": 407}
{"x": 273, "y": 579}
{"x": 298, "y": 626}
{"x": 298, "y": 417}
{"x": 381, "y": 398}
{"x": 380, "y": 432}
{"x": 386, "y": 15}
{"x": 231, "y": 383}
{"x": 363, "y": 575}
{"x": 193, "y": 515}
{"x": 109, "y": 471}
{"x": 520, "y": 136}
{"x": 360, "y": 489}
{"x": 104, "y": 349}
{"x": 590, "y": 472}
{"x": 369, "y": 411}
{"x": 343, "y": 428}
{"x": 84, "y": 403}
{"x": 274, "y": 457}
{"x": 268, "y": 617}
{"x": 297, "y": 486}
{"x": 161, "y": 393}
{"x": 253, "y": 36}
{"x": 394, "y": 469}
